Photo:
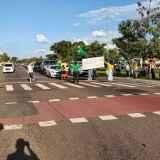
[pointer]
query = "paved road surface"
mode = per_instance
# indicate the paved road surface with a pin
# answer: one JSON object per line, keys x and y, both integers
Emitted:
{"x": 95, "y": 120}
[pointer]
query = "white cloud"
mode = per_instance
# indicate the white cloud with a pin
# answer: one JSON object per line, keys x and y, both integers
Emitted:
{"x": 76, "y": 24}
{"x": 105, "y": 36}
{"x": 40, "y": 52}
{"x": 114, "y": 12}
{"x": 110, "y": 12}
{"x": 41, "y": 38}
{"x": 99, "y": 33}
{"x": 85, "y": 40}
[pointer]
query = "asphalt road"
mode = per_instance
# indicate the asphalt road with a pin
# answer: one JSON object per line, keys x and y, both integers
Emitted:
{"x": 96, "y": 120}
{"x": 122, "y": 139}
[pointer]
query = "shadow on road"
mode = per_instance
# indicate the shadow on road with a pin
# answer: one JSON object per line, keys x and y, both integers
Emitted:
{"x": 20, "y": 154}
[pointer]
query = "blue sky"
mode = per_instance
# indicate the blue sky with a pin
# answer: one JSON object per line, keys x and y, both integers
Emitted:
{"x": 29, "y": 27}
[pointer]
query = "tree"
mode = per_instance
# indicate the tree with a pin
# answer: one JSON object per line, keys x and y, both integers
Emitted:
{"x": 96, "y": 49}
{"x": 52, "y": 57}
{"x": 4, "y": 57}
{"x": 63, "y": 49}
{"x": 14, "y": 59}
{"x": 132, "y": 43}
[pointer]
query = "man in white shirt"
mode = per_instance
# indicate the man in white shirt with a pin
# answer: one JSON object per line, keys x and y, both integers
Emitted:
{"x": 30, "y": 72}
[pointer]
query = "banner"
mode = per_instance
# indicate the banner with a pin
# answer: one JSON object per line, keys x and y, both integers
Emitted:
{"x": 92, "y": 63}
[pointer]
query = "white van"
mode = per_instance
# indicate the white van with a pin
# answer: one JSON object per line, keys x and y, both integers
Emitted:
{"x": 8, "y": 68}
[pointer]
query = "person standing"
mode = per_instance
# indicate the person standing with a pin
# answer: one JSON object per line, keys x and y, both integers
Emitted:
{"x": 76, "y": 71}
{"x": 128, "y": 70}
{"x": 110, "y": 71}
{"x": 30, "y": 72}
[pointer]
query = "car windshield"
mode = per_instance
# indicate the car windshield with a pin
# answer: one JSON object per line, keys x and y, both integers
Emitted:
{"x": 54, "y": 67}
{"x": 49, "y": 62}
{"x": 8, "y": 65}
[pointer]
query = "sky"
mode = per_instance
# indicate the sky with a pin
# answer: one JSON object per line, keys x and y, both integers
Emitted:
{"x": 29, "y": 27}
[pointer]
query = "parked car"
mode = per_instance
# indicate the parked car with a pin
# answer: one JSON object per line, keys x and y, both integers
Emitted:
{"x": 8, "y": 68}
{"x": 53, "y": 71}
{"x": 44, "y": 65}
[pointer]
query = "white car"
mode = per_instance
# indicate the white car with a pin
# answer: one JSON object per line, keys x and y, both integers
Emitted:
{"x": 53, "y": 71}
{"x": 8, "y": 68}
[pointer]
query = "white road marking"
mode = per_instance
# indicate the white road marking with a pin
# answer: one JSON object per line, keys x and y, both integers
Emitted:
{"x": 124, "y": 85}
{"x": 144, "y": 94}
{"x": 108, "y": 117}
{"x": 156, "y": 93}
{"x": 109, "y": 96}
{"x": 9, "y": 88}
{"x": 47, "y": 123}
{"x": 26, "y": 87}
{"x": 74, "y": 98}
{"x": 136, "y": 115}
{"x": 102, "y": 84}
{"x": 89, "y": 85}
{"x": 74, "y": 85}
{"x": 79, "y": 120}
{"x": 54, "y": 100}
{"x": 58, "y": 86}
{"x": 13, "y": 127}
{"x": 10, "y": 103}
{"x": 92, "y": 97}
{"x": 157, "y": 112}
{"x": 127, "y": 94}
{"x": 34, "y": 102}
{"x": 42, "y": 86}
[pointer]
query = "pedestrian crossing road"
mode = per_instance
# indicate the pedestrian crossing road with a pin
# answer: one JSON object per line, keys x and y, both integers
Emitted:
{"x": 67, "y": 85}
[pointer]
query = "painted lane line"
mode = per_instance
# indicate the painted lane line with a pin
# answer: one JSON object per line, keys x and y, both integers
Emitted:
{"x": 156, "y": 93}
{"x": 108, "y": 117}
{"x": 102, "y": 84}
{"x": 109, "y": 96}
{"x": 157, "y": 112}
{"x": 58, "y": 85}
{"x": 79, "y": 120}
{"x": 74, "y": 98}
{"x": 124, "y": 85}
{"x": 127, "y": 94}
{"x": 144, "y": 94}
{"x": 26, "y": 87}
{"x": 73, "y": 85}
{"x": 10, "y": 103}
{"x": 13, "y": 127}
{"x": 9, "y": 88}
{"x": 34, "y": 102}
{"x": 41, "y": 86}
{"x": 47, "y": 123}
{"x": 54, "y": 100}
{"x": 136, "y": 115}
{"x": 92, "y": 97}
{"x": 89, "y": 85}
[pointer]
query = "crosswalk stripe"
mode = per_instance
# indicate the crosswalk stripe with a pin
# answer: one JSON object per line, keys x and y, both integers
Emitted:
{"x": 47, "y": 123}
{"x": 58, "y": 85}
{"x": 102, "y": 84}
{"x": 157, "y": 112}
{"x": 26, "y": 87}
{"x": 124, "y": 85}
{"x": 79, "y": 120}
{"x": 9, "y": 88}
{"x": 136, "y": 115}
{"x": 89, "y": 85}
{"x": 42, "y": 86}
{"x": 13, "y": 127}
{"x": 108, "y": 117}
{"x": 74, "y": 85}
